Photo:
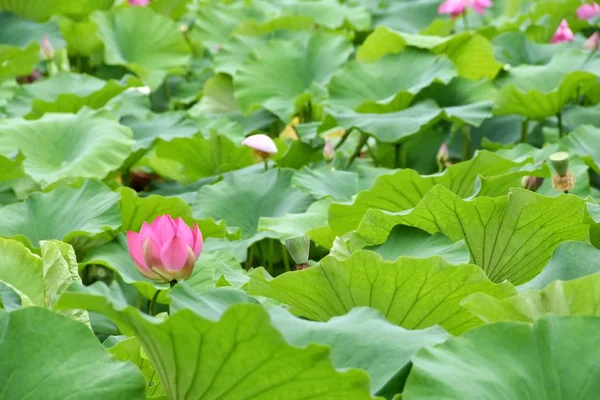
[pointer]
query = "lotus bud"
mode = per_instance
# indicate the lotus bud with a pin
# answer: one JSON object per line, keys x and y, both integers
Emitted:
{"x": 453, "y": 7}
{"x": 299, "y": 249}
{"x": 262, "y": 145}
{"x": 442, "y": 154}
{"x": 165, "y": 250}
{"x": 46, "y": 49}
{"x": 328, "y": 151}
{"x": 563, "y": 33}
{"x": 532, "y": 183}
{"x": 592, "y": 42}
{"x": 563, "y": 179}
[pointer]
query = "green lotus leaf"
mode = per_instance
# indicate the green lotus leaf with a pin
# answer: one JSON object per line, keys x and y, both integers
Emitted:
{"x": 515, "y": 49}
{"x": 212, "y": 268}
{"x": 320, "y": 183}
{"x": 363, "y": 339}
{"x": 510, "y": 237}
{"x": 574, "y": 297}
{"x": 189, "y": 159}
{"x": 391, "y": 127}
{"x": 66, "y": 93}
{"x": 556, "y": 355}
{"x": 282, "y": 76}
{"x": 487, "y": 174}
{"x": 225, "y": 350}
{"x": 411, "y": 16}
{"x": 61, "y": 147}
{"x": 242, "y": 204}
{"x": 331, "y": 14}
{"x": 22, "y": 270}
{"x": 63, "y": 214}
{"x": 472, "y": 53}
{"x": 384, "y": 85}
{"x": 217, "y": 97}
{"x": 415, "y": 293}
{"x": 540, "y": 91}
{"x": 173, "y": 9}
{"x": 81, "y": 37}
{"x": 41, "y": 10}
{"x": 407, "y": 241}
{"x": 585, "y": 141}
{"x": 129, "y": 349}
{"x": 570, "y": 260}
{"x": 163, "y": 48}
{"x": 234, "y": 52}
{"x": 211, "y": 303}
{"x": 39, "y": 359}
{"x": 312, "y": 222}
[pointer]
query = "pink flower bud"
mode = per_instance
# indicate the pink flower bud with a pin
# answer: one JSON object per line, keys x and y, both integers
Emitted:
{"x": 588, "y": 11}
{"x": 46, "y": 49}
{"x": 261, "y": 143}
{"x": 563, "y": 33}
{"x": 166, "y": 249}
{"x": 328, "y": 151}
{"x": 592, "y": 42}
{"x": 442, "y": 154}
{"x": 139, "y": 3}
{"x": 479, "y": 6}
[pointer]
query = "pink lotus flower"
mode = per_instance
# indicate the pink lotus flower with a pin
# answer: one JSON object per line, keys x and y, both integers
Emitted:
{"x": 457, "y": 7}
{"x": 46, "y": 49}
{"x": 479, "y": 6}
{"x": 139, "y": 3}
{"x": 453, "y": 7}
{"x": 592, "y": 42}
{"x": 563, "y": 33}
{"x": 588, "y": 10}
{"x": 166, "y": 249}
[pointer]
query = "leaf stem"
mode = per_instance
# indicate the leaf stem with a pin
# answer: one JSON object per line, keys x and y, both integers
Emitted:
{"x": 343, "y": 139}
{"x": 361, "y": 142}
{"x": 153, "y": 302}
{"x": 467, "y": 145}
{"x": 397, "y": 151}
{"x": 465, "y": 20}
{"x": 524, "y": 130}
{"x": 286, "y": 258}
{"x": 561, "y": 132}
{"x": 249, "y": 258}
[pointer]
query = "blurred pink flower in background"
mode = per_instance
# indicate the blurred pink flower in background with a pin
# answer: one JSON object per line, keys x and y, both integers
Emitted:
{"x": 457, "y": 7}
{"x": 261, "y": 143}
{"x": 46, "y": 49}
{"x": 166, "y": 249}
{"x": 328, "y": 151}
{"x": 453, "y": 7}
{"x": 592, "y": 42}
{"x": 563, "y": 33}
{"x": 139, "y": 3}
{"x": 588, "y": 10}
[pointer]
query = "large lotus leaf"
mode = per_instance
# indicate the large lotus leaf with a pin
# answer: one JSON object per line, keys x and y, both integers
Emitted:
{"x": 386, "y": 85}
{"x": 540, "y": 91}
{"x": 81, "y": 37}
{"x": 407, "y": 15}
{"x": 217, "y": 97}
{"x": 15, "y": 61}
{"x": 136, "y": 210}
{"x": 41, "y": 10}
{"x": 414, "y": 293}
{"x": 331, "y": 14}
{"x": 407, "y": 241}
{"x": 63, "y": 214}
{"x": 66, "y": 147}
{"x": 515, "y": 49}
{"x": 49, "y": 356}
{"x": 571, "y": 260}
{"x": 242, "y": 199}
{"x": 22, "y": 270}
{"x": 463, "y": 100}
{"x": 312, "y": 222}
{"x": 190, "y": 159}
{"x": 283, "y": 75}
{"x": 143, "y": 41}
{"x": 363, "y": 339}
{"x": 510, "y": 237}
{"x": 233, "y": 53}
{"x": 391, "y": 127}
{"x": 66, "y": 93}
{"x": 340, "y": 185}
{"x": 403, "y": 190}
{"x": 216, "y": 269}
{"x": 472, "y": 53}
{"x": 556, "y": 357}
{"x": 575, "y": 297}
{"x": 585, "y": 142}
{"x": 233, "y": 353}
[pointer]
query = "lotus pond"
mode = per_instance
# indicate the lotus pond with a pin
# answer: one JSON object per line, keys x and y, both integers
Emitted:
{"x": 299, "y": 199}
